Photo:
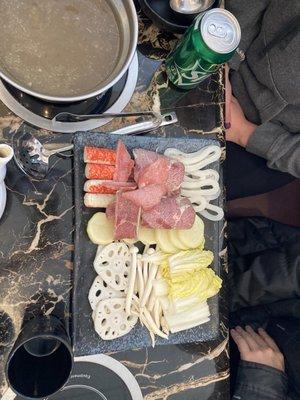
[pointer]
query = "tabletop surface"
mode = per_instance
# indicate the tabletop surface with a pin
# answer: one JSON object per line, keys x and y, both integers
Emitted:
{"x": 37, "y": 236}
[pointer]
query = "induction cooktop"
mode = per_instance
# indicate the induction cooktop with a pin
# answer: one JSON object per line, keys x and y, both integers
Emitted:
{"x": 97, "y": 377}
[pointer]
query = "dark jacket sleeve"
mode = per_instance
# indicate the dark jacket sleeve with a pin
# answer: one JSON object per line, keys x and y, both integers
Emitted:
{"x": 280, "y": 147}
{"x": 249, "y": 15}
{"x": 257, "y": 381}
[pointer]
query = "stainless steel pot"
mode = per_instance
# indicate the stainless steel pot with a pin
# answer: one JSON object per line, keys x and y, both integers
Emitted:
{"x": 126, "y": 16}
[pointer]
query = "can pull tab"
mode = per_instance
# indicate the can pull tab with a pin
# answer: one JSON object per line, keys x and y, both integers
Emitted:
{"x": 217, "y": 30}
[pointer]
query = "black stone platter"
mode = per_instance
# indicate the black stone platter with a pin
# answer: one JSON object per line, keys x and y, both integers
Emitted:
{"x": 86, "y": 340}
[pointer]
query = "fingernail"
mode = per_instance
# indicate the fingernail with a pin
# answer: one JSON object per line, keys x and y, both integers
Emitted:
{"x": 227, "y": 125}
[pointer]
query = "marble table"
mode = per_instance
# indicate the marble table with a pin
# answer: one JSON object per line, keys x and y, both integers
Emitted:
{"x": 37, "y": 247}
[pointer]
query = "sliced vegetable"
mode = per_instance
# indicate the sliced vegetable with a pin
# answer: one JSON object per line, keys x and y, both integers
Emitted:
{"x": 203, "y": 284}
{"x": 100, "y": 230}
{"x": 163, "y": 242}
{"x": 193, "y": 259}
{"x": 113, "y": 264}
{"x": 174, "y": 239}
{"x": 146, "y": 235}
{"x": 196, "y": 316}
{"x": 101, "y": 291}
{"x": 110, "y": 319}
{"x": 194, "y": 237}
{"x": 130, "y": 241}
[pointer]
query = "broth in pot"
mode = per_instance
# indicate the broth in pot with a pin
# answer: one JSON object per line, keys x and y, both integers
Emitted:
{"x": 59, "y": 47}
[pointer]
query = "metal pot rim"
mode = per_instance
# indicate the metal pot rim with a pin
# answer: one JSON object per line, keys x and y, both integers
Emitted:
{"x": 71, "y": 99}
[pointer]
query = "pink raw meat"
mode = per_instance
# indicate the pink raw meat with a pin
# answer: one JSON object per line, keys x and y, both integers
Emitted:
{"x": 142, "y": 159}
{"x": 152, "y": 168}
{"x": 156, "y": 173}
{"x": 171, "y": 213}
{"x": 111, "y": 211}
{"x": 124, "y": 163}
{"x": 119, "y": 185}
{"x": 146, "y": 197}
{"x": 175, "y": 177}
{"x": 126, "y": 218}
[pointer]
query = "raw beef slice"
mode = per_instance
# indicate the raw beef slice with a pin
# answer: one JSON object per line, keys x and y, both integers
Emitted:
{"x": 111, "y": 211}
{"x": 171, "y": 213}
{"x": 152, "y": 168}
{"x": 154, "y": 174}
{"x": 124, "y": 163}
{"x": 175, "y": 177}
{"x": 126, "y": 218}
{"x": 143, "y": 158}
{"x": 147, "y": 197}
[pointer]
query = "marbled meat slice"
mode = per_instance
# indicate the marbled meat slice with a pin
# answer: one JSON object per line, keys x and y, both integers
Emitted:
{"x": 146, "y": 197}
{"x": 124, "y": 164}
{"x": 99, "y": 171}
{"x": 120, "y": 185}
{"x": 175, "y": 177}
{"x": 152, "y": 168}
{"x": 96, "y": 155}
{"x": 107, "y": 187}
{"x": 172, "y": 213}
{"x": 143, "y": 158}
{"x": 154, "y": 174}
{"x": 127, "y": 218}
{"x": 111, "y": 211}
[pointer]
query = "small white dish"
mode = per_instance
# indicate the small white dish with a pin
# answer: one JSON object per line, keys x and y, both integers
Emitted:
{"x": 6, "y": 154}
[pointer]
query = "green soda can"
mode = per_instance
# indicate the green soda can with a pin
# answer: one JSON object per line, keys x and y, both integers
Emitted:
{"x": 208, "y": 43}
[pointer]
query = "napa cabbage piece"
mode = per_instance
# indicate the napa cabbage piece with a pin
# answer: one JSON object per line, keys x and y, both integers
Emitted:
{"x": 190, "y": 260}
{"x": 183, "y": 285}
{"x": 196, "y": 315}
{"x": 203, "y": 284}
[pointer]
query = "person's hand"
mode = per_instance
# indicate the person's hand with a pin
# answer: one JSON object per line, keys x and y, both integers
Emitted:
{"x": 239, "y": 128}
{"x": 258, "y": 347}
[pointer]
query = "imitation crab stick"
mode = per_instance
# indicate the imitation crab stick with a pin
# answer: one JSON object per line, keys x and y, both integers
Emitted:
{"x": 107, "y": 186}
{"x": 96, "y": 155}
{"x": 97, "y": 200}
{"x": 96, "y": 186}
{"x": 99, "y": 171}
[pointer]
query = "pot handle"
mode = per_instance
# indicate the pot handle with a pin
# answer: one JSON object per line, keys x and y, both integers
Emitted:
{"x": 66, "y": 117}
{"x": 146, "y": 126}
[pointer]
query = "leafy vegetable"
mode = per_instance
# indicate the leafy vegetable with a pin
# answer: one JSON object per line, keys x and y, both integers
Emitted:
{"x": 191, "y": 258}
{"x": 196, "y": 315}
